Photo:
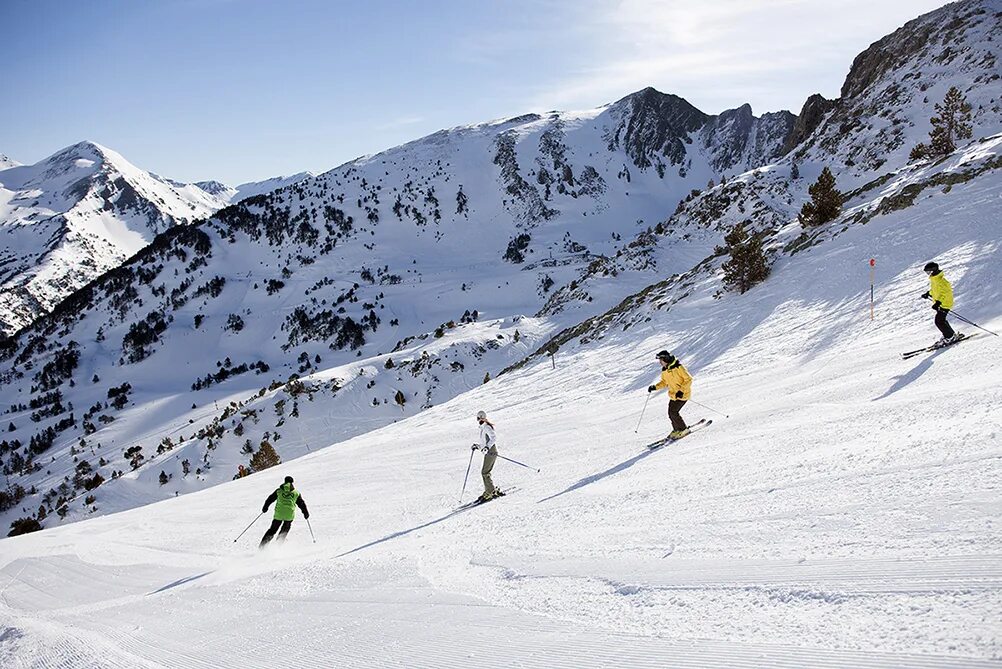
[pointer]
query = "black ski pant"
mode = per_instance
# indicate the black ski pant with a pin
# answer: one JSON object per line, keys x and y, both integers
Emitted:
{"x": 285, "y": 526}
{"x": 941, "y": 323}
{"x": 674, "y": 407}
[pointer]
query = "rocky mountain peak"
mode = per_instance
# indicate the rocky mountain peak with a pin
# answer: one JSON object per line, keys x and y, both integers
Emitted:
{"x": 7, "y": 162}
{"x": 939, "y": 29}
{"x": 212, "y": 187}
{"x": 653, "y": 128}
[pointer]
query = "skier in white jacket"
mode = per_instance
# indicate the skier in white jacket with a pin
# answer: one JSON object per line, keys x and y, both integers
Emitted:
{"x": 488, "y": 444}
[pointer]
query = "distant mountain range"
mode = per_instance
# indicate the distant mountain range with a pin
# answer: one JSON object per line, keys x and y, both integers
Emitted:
{"x": 82, "y": 211}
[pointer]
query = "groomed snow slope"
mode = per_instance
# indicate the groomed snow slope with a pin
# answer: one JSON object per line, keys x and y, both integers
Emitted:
{"x": 845, "y": 514}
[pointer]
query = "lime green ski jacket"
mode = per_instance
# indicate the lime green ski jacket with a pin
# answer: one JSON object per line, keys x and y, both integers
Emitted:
{"x": 286, "y": 500}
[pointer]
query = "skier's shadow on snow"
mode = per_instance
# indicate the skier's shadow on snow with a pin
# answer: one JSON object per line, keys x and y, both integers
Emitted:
{"x": 910, "y": 377}
{"x": 180, "y": 581}
{"x": 403, "y": 533}
{"x": 588, "y": 480}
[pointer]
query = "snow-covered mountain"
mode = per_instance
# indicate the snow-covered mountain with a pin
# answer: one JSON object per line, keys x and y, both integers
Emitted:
{"x": 865, "y": 137}
{"x": 233, "y": 194}
{"x": 82, "y": 211}
{"x": 6, "y": 162}
{"x": 396, "y": 282}
{"x": 892, "y": 88}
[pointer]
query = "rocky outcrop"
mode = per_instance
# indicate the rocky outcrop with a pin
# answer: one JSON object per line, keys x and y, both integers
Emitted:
{"x": 811, "y": 115}
{"x": 737, "y": 140}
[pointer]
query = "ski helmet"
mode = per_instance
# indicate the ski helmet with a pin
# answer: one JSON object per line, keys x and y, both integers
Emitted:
{"x": 288, "y": 479}
{"x": 481, "y": 415}
{"x": 931, "y": 268}
{"x": 665, "y": 356}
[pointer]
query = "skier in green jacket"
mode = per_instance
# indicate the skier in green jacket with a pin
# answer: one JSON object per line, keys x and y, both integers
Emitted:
{"x": 286, "y": 499}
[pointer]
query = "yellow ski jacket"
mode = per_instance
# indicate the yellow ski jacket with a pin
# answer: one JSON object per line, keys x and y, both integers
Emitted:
{"x": 940, "y": 290}
{"x": 675, "y": 378}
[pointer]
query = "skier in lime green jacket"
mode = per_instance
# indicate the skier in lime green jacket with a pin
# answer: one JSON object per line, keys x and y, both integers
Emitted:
{"x": 286, "y": 499}
{"x": 941, "y": 293}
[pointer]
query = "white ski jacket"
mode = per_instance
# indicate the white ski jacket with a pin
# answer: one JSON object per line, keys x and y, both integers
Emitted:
{"x": 487, "y": 437}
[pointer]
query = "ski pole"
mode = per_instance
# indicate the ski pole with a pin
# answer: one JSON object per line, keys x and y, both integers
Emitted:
{"x": 311, "y": 530}
{"x": 516, "y": 462}
{"x": 710, "y": 408}
{"x": 642, "y": 412}
{"x": 248, "y": 527}
{"x": 467, "y": 477}
{"x": 956, "y": 315}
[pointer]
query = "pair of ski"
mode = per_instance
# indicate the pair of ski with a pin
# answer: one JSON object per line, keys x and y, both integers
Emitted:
{"x": 695, "y": 427}
{"x": 477, "y": 502}
{"x": 934, "y": 347}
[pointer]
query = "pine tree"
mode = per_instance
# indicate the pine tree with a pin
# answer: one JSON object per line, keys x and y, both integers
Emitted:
{"x": 265, "y": 457}
{"x": 825, "y": 204}
{"x": 399, "y": 398}
{"x": 135, "y": 456}
{"x": 952, "y": 122}
{"x": 794, "y": 171}
{"x": 748, "y": 265}
{"x": 25, "y": 525}
{"x": 163, "y": 477}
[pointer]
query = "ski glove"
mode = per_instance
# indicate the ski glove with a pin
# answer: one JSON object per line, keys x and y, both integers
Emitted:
{"x": 926, "y": 295}
{"x": 678, "y": 395}
{"x": 264, "y": 509}
{"x": 651, "y": 389}
{"x": 475, "y": 447}
{"x": 935, "y": 305}
{"x": 306, "y": 515}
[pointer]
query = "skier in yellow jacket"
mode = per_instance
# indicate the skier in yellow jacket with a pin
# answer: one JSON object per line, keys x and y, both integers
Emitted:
{"x": 941, "y": 294}
{"x": 677, "y": 380}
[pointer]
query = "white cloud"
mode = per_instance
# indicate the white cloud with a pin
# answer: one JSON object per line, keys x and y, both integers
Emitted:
{"x": 722, "y": 53}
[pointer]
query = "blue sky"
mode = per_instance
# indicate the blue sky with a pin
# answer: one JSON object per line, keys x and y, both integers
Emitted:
{"x": 239, "y": 90}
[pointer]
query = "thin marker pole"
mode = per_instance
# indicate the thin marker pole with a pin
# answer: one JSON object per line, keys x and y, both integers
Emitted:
{"x": 873, "y": 263}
